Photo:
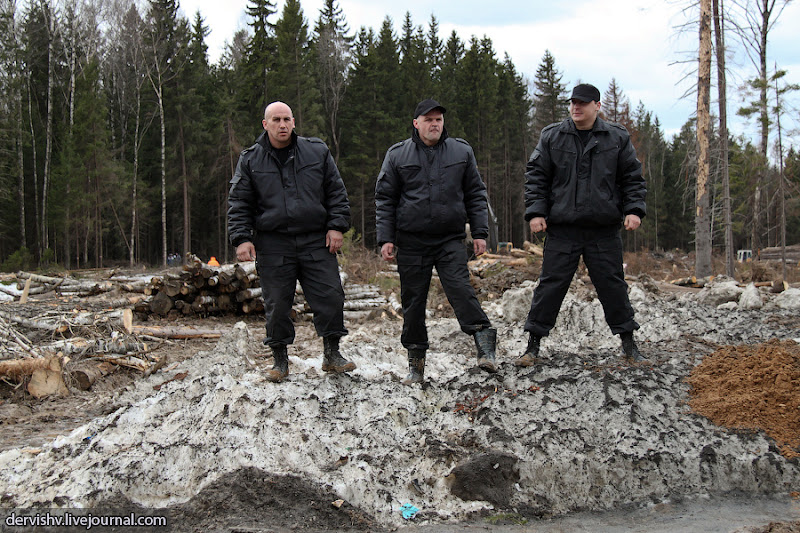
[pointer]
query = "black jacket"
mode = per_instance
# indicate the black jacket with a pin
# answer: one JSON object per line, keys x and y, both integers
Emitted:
{"x": 305, "y": 195}
{"x": 433, "y": 192}
{"x": 612, "y": 187}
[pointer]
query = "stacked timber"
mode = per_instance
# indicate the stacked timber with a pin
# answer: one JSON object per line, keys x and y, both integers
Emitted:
{"x": 203, "y": 289}
{"x": 775, "y": 253}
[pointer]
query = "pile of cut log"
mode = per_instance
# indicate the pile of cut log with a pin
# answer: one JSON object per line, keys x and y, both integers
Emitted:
{"x": 510, "y": 257}
{"x": 775, "y": 253}
{"x": 203, "y": 289}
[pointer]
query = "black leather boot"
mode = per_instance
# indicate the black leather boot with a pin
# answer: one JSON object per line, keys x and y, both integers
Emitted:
{"x": 486, "y": 342}
{"x": 630, "y": 348}
{"x": 531, "y": 355}
{"x": 332, "y": 360}
{"x": 416, "y": 366}
{"x": 281, "y": 367}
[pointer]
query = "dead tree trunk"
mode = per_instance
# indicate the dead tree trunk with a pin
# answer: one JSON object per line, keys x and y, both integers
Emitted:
{"x": 702, "y": 197}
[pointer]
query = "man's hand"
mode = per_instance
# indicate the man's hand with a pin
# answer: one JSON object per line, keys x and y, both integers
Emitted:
{"x": 334, "y": 240}
{"x": 538, "y": 224}
{"x": 479, "y": 245}
{"x": 387, "y": 251}
{"x": 632, "y": 222}
{"x": 245, "y": 252}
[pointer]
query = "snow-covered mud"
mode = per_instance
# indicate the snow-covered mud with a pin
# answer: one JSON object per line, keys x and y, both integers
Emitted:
{"x": 582, "y": 431}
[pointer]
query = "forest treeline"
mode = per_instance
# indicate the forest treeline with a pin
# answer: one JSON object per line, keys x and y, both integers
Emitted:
{"x": 119, "y": 137}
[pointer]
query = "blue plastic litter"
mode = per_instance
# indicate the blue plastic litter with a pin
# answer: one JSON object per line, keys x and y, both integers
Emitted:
{"x": 409, "y": 511}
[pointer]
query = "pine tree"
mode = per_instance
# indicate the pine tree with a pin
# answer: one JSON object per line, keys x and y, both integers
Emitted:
{"x": 549, "y": 95}
{"x": 259, "y": 58}
{"x": 294, "y": 81}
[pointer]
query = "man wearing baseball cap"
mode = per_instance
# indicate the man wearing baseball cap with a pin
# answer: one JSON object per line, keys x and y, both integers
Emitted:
{"x": 582, "y": 183}
{"x": 427, "y": 190}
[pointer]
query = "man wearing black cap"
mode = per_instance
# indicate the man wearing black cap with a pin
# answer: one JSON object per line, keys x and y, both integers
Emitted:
{"x": 582, "y": 183}
{"x": 428, "y": 189}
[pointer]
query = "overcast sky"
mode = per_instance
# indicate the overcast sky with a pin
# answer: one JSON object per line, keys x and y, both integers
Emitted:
{"x": 637, "y": 42}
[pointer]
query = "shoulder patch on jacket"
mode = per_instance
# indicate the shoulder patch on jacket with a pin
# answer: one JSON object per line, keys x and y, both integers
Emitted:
{"x": 459, "y": 139}
{"x": 618, "y": 126}
{"x": 312, "y": 140}
{"x": 396, "y": 145}
{"x": 249, "y": 149}
{"x": 551, "y": 126}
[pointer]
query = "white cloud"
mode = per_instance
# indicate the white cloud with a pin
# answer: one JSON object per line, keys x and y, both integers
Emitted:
{"x": 637, "y": 42}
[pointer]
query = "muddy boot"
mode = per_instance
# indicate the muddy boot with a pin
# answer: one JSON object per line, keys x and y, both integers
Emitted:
{"x": 281, "y": 367}
{"x": 486, "y": 342}
{"x": 630, "y": 348}
{"x": 416, "y": 366}
{"x": 332, "y": 360}
{"x": 531, "y": 355}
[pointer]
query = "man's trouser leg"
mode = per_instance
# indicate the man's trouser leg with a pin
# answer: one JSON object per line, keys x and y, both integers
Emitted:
{"x": 322, "y": 288}
{"x": 415, "y": 279}
{"x": 451, "y": 265}
{"x": 560, "y": 262}
{"x": 278, "y": 276}
{"x": 603, "y": 259}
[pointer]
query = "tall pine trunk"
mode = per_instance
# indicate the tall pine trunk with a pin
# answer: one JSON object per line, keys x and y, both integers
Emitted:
{"x": 702, "y": 202}
{"x": 719, "y": 32}
{"x": 48, "y": 153}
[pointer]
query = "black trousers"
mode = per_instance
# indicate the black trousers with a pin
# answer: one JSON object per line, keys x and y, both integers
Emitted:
{"x": 415, "y": 267}
{"x": 282, "y": 261}
{"x": 602, "y": 253}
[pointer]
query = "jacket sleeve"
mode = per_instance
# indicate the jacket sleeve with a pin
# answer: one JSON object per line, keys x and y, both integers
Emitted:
{"x": 387, "y": 196}
{"x": 336, "y": 201}
{"x": 241, "y": 204}
{"x": 630, "y": 180}
{"x": 538, "y": 181}
{"x": 476, "y": 200}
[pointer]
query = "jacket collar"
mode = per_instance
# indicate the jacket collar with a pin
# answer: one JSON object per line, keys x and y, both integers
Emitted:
{"x": 263, "y": 140}
{"x": 568, "y": 126}
{"x": 418, "y": 140}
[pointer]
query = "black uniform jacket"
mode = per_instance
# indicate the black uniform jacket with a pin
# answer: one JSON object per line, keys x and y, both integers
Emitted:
{"x": 434, "y": 192}
{"x": 609, "y": 186}
{"x": 304, "y": 196}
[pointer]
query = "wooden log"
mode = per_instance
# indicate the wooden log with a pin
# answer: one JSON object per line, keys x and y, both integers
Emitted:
{"x": 134, "y": 286}
{"x": 25, "y": 292}
{"x": 168, "y": 332}
{"x": 161, "y": 304}
{"x": 371, "y": 303}
{"x": 252, "y": 306}
{"x": 20, "y": 368}
{"x": 38, "y": 278}
{"x": 88, "y": 373}
{"x": 242, "y": 270}
{"x": 248, "y": 294}
{"x": 82, "y": 346}
{"x": 48, "y": 381}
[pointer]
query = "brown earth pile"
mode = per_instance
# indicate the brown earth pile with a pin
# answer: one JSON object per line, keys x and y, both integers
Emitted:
{"x": 752, "y": 387}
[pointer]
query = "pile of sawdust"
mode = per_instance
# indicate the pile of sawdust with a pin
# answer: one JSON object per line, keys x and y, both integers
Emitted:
{"x": 752, "y": 387}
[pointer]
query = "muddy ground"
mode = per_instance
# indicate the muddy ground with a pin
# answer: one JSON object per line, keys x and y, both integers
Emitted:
{"x": 584, "y": 441}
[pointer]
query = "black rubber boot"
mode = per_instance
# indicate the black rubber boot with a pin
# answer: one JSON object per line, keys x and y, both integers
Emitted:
{"x": 281, "y": 367}
{"x": 416, "y": 366}
{"x": 486, "y": 342}
{"x": 531, "y": 355}
{"x": 630, "y": 348}
{"x": 332, "y": 360}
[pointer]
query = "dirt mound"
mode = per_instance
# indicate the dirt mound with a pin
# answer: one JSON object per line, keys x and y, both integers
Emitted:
{"x": 753, "y": 387}
{"x": 251, "y": 499}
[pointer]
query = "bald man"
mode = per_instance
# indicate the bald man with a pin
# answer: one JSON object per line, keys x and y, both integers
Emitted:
{"x": 287, "y": 210}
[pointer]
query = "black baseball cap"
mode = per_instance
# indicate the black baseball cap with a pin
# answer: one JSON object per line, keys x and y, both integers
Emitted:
{"x": 427, "y": 105}
{"x": 585, "y": 93}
